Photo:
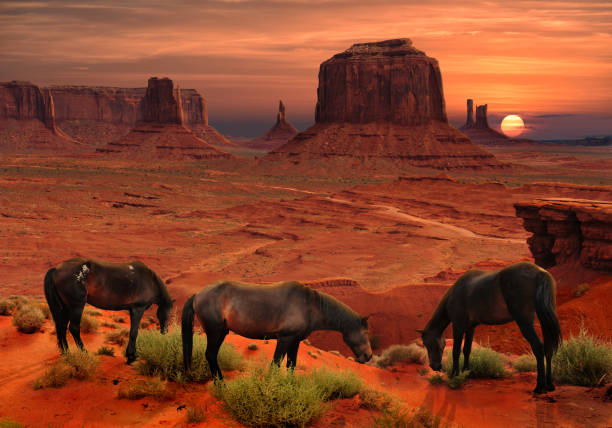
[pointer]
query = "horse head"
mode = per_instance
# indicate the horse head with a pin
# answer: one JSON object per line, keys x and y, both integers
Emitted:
{"x": 163, "y": 315}
{"x": 435, "y": 347}
{"x": 358, "y": 339}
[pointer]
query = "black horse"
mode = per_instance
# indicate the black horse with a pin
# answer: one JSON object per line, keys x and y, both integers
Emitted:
{"x": 286, "y": 311}
{"x": 516, "y": 292}
{"x": 113, "y": 286}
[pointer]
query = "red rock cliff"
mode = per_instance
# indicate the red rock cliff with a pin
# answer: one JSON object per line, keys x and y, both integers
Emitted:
{"x": 569, "y": 229}
{"x": 25, "y": 101}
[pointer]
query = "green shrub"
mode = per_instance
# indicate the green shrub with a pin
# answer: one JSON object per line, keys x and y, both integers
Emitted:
{"x": 75, "y": 364}
{"x": 93, "y": 312}
{"x": 19, "y": 300}
{"x": 195, "y": 414}
{"x": 162, "y": 355}
{"x": 400, "y": 353}
{"x": 6, "y": 307}
{"x": 10, "y": 423}
{"x": 484, "y": 362}
{"x": 105, "y": 350}
{"x": 436, "y": 379}
{"x": 583, "y": 360}
{"x": 336, "y": 385}
{"x": 457, "y": 381}
{"x": 88, "y": 324}
{"x": 270, "y": 396}
{"x": 28, "y": 318}
{"x": 45, "y": 310}
{"x": 119, "y": 337}
{"x": 155, "y": 388}
{"x": 398, "y": 417}
{"x": 374, "y": 399}
{"x": 525, "y": 363}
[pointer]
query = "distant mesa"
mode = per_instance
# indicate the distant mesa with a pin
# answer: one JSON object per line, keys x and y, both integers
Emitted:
{"x": 383, "y": 101}
{"x": 97, "y": 115}
{"x": 278, "y": 135}
{"x": 479, "y": 130}
{"x": 27, "y": 120}
{"x": 161, "y": 134}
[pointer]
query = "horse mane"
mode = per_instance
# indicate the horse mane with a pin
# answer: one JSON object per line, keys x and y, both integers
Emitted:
{"x": 337, "y": 314}
{"x": 163, "y": 290}
{"x": 439, "y": 319}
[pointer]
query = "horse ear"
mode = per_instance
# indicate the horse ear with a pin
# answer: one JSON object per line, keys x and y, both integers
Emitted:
{"x": 364, "y": 321}
{"x": 418, "y": 330}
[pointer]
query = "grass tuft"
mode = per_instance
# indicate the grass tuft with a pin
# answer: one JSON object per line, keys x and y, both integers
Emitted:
{"x": 525, "y": 363}
{"x": 373, "y": 399}
{"x": 118, "y": 337}
{"x": 162, "y": 355}
{"x": 155, "y": 388}
{"x": 583, "y": 360}
{"x": 10, "y": 423}
{"x": 458, "y": 381}
{"x": 398, "y": 417}
{"x": 88, "y": 323}
{"x": 484, "y": 363}
{"x": 105, "y": 350}
{"x": 7, "y": 307}
{"x": 75, "y": 364}
{"x": 401, "y": 353}
{"x": 436, "y": 379}
{"x": 195, "y": 414}
{"x": 28, "y": 318}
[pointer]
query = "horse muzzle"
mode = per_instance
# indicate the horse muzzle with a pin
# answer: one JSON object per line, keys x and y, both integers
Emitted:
{"x": 436, "y": 366}
{"x": 364, "y": 358}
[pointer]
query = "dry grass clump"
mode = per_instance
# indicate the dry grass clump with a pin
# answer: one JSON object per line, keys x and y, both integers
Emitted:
{"x": 7, "y": 307}
{"x": 118, "y": 337}
{"x": 271, "y": 396}
{"x": 162, "y": 355}
{"x": 75, "y": 364}
{"x": 373, "y": 399}
{"x": 93, "y": 312}
{"x": 525, "y": 363}
{"x": 28, "y": 318}
{"x": 195, "y": 414}
{"x": 105, "y": 350}
{"x": 155, "y": 388}
{"x": 118, "y": 318}
{"x": 45, "y": 310}
{"x": 400, "y": 353}
{"x": 88, "y": 323}
{"x": 398, "y": 417}
{"x": 583, "y": 360}
{"x": 484, "y": 363}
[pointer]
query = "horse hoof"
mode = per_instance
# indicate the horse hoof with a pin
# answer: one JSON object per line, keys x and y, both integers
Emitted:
{"x": 550, "y": 387}
{"x": 539, "y": 390}
{"x": 130, "y": 361}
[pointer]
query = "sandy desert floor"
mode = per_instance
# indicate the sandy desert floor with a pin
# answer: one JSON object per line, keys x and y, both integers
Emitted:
{"x": 386, "y": 244}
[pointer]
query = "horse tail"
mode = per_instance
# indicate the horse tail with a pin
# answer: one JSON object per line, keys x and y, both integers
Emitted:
{"x": 53, "y": 299}
{"x": 187, "y": 332}
{"x": 547, "y": 314}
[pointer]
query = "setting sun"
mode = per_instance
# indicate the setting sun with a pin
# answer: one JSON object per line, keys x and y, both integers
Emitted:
{"x": 512, "y": 125}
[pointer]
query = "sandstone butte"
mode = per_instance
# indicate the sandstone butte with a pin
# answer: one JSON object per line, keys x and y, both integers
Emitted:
{"x": 97, "y": 115}
{"x": 279, "y": 134}
{"x": 162, "y": 134}
{"x": 479, "y": 130}
{"x": 27, "y": 120}
{"x": 383, "y": 101}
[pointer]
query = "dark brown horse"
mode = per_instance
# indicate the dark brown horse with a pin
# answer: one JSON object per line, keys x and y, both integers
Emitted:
{"x": 113, "y": 286}
{"x": 286, "y": 311}
{"x": 517, "y": 292}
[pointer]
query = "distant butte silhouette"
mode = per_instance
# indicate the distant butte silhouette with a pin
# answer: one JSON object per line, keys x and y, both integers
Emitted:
{"x": 383, "y": 101}
{"x": 280, "y": 133}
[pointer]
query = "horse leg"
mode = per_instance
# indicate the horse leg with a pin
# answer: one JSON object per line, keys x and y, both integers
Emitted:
{"x": 550, "y": 386}
{"x": 458, "y": 331}
{"x": 75, "y": 315}
{"x": 135, "y": 317}
{"x": 282, "y": 344}
{"x": 467, "y": 347}
{"x": 214, "y": 341}
{"x": 292, "y": 353}
{"x": 61, "y": 325}
{"x": 538, "y": 350}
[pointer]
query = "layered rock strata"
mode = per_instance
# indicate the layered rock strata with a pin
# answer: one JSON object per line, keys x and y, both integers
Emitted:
{"x": 384, "y": 100}
{"x": 162, "y": 134}
{"x": 27, "y": 120}
{"x": 569, "y": 229}
{"x": 279, "y": 134}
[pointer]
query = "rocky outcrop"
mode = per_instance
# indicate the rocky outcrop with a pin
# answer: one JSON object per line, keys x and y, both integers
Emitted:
{"x": 97, "y": 115}
{"x": 565, "y": 230}
{"x": 383, "y": 101}
{"x": 27, "y": 119}
{"x": 162, "y": 134}
{"x": 278, "y": 135}
{"x": 469, "y": 123}
{"x": 479, "y": 130}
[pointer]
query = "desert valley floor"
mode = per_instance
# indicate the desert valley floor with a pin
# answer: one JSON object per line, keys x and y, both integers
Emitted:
{"x": 387, "y": 244}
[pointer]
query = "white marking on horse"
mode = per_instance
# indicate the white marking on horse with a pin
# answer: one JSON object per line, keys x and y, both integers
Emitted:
{"x": 82, "y": 275}
{"x": 130, "y": 267}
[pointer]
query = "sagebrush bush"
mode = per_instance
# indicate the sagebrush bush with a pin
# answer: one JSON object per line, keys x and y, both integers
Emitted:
{"x": 374, "y": 399}
{"x": 44, "y": 308}
{"x": 334, "y": 384}
{"x": 271, "y": 396}
{"x": 105, "y": 350}
{"x": 93, "y": 312}
{"x": 162, "y": 355}
{"x": 28, "y": 318}
{"x": 75, "y": 364}
{"x": 458, "y": 381}
{"x": 583, "y": 360}
{"x": 155, "y": 388}
{"x": 436, "y": 379}
{"x": 484, "y": 362}
{"x": 6, "y": 307}
{"x": 88, "y": 324}
{"x": 118, "y": 337}
{"x": 525, "y": 363}
{"x": 401, "y": 353}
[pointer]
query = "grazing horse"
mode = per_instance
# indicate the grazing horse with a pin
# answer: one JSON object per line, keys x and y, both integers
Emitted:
{"x": 112, "y": 286}
{"x": 286, "y": 311}
{"x": 516, "y": 292}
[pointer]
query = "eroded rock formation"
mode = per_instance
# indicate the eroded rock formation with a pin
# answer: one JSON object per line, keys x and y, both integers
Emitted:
{"x": 479, "y": 130}
{"x": 569, "y": 229}
{"x": 384, "y": 101}
{"x": 162, "y": 134}
{"x": 27, "y": 119}
{"x": 278, "y": 135}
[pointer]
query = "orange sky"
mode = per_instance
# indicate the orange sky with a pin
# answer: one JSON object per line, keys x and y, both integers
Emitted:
{"x": 539, "y": 59}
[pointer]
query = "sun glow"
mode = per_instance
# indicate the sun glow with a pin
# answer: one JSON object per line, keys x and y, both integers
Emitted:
{"x": 512, "y": 125}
